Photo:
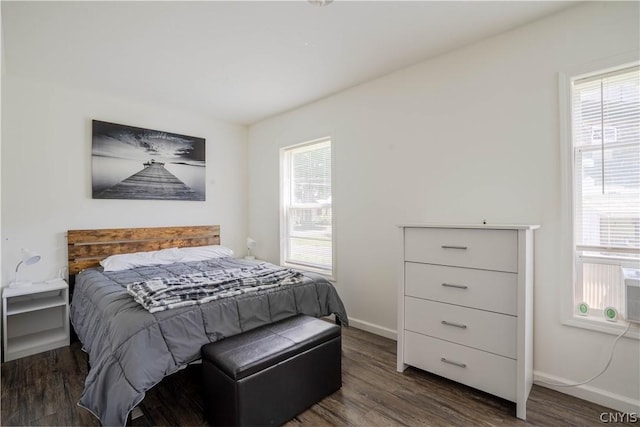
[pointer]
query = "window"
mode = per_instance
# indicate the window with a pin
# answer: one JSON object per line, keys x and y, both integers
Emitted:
{"x": 306, "y": 222}
{"x": 606, "y": 185}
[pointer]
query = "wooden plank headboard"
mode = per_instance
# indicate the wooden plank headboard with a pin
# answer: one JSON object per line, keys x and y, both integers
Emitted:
{"x": 86, "y": 248}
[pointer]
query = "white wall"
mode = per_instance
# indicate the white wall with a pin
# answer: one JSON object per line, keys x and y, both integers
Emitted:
{"x": 46, "y": 172}
{"x": 468, "y": 136}
{"x": 2, "y": 72}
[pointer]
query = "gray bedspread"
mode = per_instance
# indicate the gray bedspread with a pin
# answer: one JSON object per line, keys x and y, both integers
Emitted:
{"x": 130, "y": 350}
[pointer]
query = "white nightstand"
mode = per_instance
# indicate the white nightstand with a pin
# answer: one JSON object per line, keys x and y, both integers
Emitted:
{"x": 35, "y": 318}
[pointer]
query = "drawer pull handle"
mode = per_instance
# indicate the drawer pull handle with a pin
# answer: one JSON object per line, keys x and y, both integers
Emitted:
{"x": 453, "y": 285}
{"x": 457, "y": 325}
{"x": 450, "y": 362}
{"x": 454, "y": 247}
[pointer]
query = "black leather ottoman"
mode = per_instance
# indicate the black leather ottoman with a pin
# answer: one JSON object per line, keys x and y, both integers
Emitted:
{"x": 269, "y": 375}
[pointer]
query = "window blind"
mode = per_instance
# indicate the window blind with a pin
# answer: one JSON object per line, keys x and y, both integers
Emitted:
{"x": 606, "y": 135}
{"x": 307, "y": 206}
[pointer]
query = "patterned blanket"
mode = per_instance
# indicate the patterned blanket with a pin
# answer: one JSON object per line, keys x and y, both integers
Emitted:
{"x": 161, "y": 294}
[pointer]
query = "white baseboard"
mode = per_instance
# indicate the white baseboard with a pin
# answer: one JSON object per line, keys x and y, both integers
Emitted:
{"x": 373, "y": 328}
{"x": 592, "y": 394}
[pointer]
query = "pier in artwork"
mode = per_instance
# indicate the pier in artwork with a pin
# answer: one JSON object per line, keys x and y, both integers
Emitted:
{"x": 152, "y": 182}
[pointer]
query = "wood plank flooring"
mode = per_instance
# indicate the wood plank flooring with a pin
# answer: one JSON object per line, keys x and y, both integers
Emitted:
{"x": 43, "y": 390}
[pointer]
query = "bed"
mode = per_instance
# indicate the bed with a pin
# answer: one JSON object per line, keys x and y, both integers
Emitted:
{"x": 130, "y": 348}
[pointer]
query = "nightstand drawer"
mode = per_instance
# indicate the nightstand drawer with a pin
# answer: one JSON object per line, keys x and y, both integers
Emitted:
{"x": 479, "y": 329}
{"x": 483, "y": 289}
{"x": 473, "y": 248}
{"x": 484, "y": 371}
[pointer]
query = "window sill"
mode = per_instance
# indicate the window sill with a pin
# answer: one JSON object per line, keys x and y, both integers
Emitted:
{"x": 600, "y": 325}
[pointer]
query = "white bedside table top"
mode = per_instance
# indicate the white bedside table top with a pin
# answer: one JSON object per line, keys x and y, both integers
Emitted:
{"x": 34, "y": 288}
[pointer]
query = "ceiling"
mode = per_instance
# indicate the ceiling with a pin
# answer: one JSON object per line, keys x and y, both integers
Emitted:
{"x": 241, "y": 61}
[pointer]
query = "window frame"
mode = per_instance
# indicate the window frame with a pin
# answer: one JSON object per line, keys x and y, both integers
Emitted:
{"x": 284, "y": 195}
{"x": 569, "y": 256}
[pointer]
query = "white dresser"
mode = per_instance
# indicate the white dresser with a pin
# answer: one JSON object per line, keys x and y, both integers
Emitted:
{"x": 465, "y": 303}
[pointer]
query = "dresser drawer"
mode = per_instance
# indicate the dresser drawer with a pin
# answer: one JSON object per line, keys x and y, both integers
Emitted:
{"x": 483, "y": 289}
{"x": 484, "y": 371}
{"x": 473, "y": 248}
{"x": 479, "y": 329}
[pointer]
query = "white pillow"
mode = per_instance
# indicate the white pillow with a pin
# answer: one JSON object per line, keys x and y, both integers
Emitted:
{"x": 202, "y": 253}
{"x": 165, "y": 256}
{"x": 141, "y": 259}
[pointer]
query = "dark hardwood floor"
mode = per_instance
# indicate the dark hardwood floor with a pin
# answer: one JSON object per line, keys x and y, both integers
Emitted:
{"x": 43, "y": 390}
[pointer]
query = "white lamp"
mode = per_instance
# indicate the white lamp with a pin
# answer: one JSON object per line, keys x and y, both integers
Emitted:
{"x": 28, "y": 257}
{"x": 251, "y": 244}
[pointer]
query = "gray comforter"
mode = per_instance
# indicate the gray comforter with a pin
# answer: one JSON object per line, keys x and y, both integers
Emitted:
{"x": 130, "y": 350}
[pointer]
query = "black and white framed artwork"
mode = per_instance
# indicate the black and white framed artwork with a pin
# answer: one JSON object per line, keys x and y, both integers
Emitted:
{"x": 135, "y": 163}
